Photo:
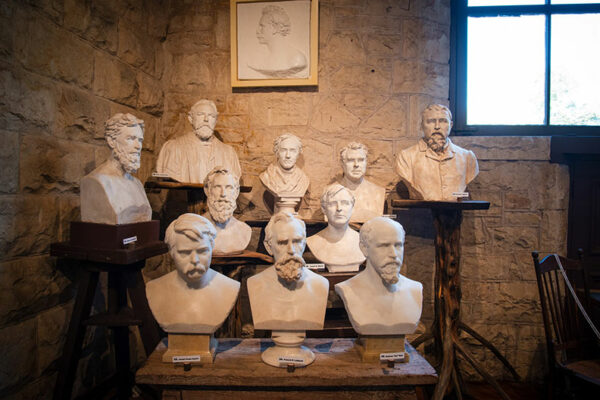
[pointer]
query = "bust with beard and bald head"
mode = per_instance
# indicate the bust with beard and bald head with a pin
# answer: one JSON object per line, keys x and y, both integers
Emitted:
{"x": 110, "y": 194}
{"x": 194, "y": 298}
{"x": 379, "y": 300}
{"x": 287, "y": 295}
{"x": 222, "y": 189}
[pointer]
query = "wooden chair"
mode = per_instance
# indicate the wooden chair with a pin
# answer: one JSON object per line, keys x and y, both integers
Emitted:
{"x": 571, "y": 345}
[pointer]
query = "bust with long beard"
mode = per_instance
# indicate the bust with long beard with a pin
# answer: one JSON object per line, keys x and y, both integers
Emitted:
{"x": 110, "y": 194}
{"x": 222, "y": 189}
{"x": 379, "y": 300}
{"x": 287, "y": 296}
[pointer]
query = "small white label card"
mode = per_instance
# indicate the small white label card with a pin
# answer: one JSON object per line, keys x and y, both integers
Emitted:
{"x": 399, "y": 357}
{"x": 186, "y": 359}
{"x": 316, "y": 266}
{"x": 285, "y": 360}
{"x": 460, "y": 195}
{"x": 391, "y": 216}
{"x": 159, "y": 175}
{"x": 130, "y": 240}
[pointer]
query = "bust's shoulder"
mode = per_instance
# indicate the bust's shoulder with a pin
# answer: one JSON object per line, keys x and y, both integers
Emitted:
{"x": 410, "y": 284}
{"x": 157, "y": 285}
{"x": 224, "y": 282}
{"x": 315, "y": 280}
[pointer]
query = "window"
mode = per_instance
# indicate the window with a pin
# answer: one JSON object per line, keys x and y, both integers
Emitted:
{"x": 526, "y": 67}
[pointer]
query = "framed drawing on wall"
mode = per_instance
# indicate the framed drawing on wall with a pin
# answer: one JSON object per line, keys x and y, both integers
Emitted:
{"x": 274, "y": 43}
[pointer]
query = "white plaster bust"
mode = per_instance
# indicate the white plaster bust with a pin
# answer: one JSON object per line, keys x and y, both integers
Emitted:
{"x": 287, "y": 296}
{"x": 435, "y": 167}
{"x": 222, "y": 189}
{"x": 283, "y": 60}
{"x": 110, "y": 194}
{"x": 190, "y": 157}
{"x": 379, "y": 300}
{"x": 337, "y": 245}
{"x": 369, "y": 197}
{"x": 193, "y": 298}
{"x": 283, "y": 178}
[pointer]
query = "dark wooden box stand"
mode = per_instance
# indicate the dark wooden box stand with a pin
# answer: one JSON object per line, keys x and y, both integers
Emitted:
{"x": 100, "y": 248}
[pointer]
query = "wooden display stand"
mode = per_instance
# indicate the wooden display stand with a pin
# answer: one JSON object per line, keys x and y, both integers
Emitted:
{"x": 191, "y": 345}
{"x": 99, "y": 248}
{"x": 447, "y": 219}
{"x": 371, "y": 347}
{"x": 337, "y": 373}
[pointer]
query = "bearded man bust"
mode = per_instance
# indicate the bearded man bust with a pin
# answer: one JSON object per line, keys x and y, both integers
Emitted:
{"x": 379, "y": 300}
{"x": 287, "y": 295}
{"x": 435, "y": 168}
{"x": 222, "y": 189}
{"x": 110, "y": 194}
{"x": 191, "y": 156}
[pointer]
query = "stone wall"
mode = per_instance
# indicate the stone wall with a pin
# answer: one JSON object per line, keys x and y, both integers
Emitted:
{"x": 65, "y": 67}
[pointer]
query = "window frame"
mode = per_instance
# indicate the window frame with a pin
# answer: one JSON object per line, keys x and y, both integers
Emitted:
{"x": 460, "y": 13}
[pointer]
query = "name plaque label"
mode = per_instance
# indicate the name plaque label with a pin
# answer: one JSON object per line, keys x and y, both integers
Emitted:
{"x": 290, "y": 360}
{"x": 392, "y": 356}
{"x": 128, "y": 240}
{"x": 316, "y": 266}
{"x": 460, "y": 195}
{"x": 186, "y": 359}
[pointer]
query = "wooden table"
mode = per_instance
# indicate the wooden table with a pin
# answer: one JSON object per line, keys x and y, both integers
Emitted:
{"x": 447, "y": 219}
{"x": 337, "y": 373}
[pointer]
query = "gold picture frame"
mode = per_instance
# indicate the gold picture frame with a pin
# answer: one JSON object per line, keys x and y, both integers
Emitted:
{"x": 274, "y": 43}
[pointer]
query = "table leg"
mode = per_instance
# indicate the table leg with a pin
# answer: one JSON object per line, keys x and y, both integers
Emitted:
{"x": 447, "y": 306}
{"x": 88, "y": 280}
{"x": 117, "y": 300}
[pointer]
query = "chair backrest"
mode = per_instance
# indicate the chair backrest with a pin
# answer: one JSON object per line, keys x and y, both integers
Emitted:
{"x": 567, "y": 332}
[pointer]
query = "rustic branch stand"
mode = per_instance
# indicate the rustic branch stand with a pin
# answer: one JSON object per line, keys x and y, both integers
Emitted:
{"x": 447, "y": 219}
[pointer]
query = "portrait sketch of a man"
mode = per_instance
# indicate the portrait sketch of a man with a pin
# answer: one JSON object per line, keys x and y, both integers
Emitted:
{"x": 273, "y": 39}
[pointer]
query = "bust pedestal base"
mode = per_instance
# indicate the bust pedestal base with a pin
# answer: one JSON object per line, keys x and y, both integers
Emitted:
{"x": 288, "y": 349}
{"x": 371, "y": 347}
{"x": 342, "y": 268}
{"x": 190, "y": 346}
{"x": 286, "y": 203}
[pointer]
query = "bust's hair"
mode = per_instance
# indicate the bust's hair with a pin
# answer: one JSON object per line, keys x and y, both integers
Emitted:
{"x": 282, "y": 216}
{"x": 368, "y": 228}
{"x": 331, "y": 191}
{"x": 204, "y": 102}
{"x": 286, "y": 136}
{"x": 219, "y": 170}
{"x": 278, "y": 19}
{"x": 113, "y": 125}
{"x": 436, "y": 107}
{"x": 194, "y": 226}
{"x": 352, "y": 146}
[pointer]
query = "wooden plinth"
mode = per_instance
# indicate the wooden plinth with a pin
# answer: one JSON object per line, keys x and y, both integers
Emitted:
{"x": 370, "y": 347}
{"x": 336, "y": 373}
{"x": 447, "y": 219}
{"x": 182, "y": 345}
